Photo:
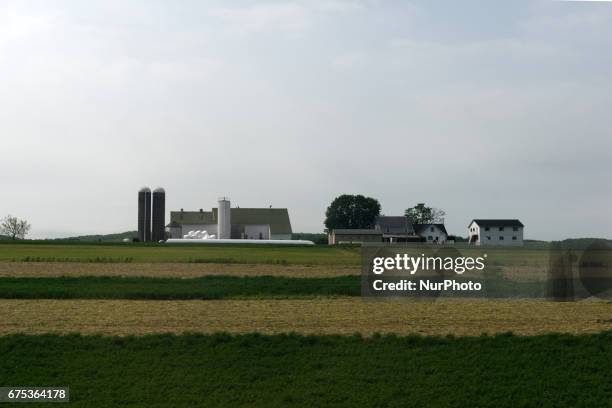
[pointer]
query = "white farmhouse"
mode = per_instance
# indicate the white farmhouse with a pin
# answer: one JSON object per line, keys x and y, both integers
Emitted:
{"x": 496, "y": 232}
{"x": 431, "y": 233}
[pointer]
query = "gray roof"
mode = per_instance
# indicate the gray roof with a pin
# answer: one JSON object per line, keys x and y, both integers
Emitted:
{"x": 394, "y": 224}
{"x": 497, "y": 223}
{"x": 422, "y": 227}
{"x": 356, "y": 231}
{"x": 276, "y": 218}
{"x": 192, "y": 217}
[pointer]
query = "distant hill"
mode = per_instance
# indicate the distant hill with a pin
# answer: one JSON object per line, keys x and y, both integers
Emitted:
{"x": 102, "y": 238}
{"x": 583, "y": 243}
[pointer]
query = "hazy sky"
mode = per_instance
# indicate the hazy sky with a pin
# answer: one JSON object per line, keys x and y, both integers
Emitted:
{"x": 482, "y": 109}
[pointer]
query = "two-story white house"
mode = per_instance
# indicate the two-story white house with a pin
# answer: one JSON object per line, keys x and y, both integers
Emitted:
{"x": 496, "y": 232}
{"x": 432, "y": 233}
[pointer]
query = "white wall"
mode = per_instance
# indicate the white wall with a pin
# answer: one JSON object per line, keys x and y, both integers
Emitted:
{"x": 254, "y": 231}
{"x": 493, "y": 236}
{"x": 474, "y": 229}
{"x": 437, "y": 235}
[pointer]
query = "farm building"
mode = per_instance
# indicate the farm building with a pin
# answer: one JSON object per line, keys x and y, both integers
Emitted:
{"x": 496, "y": 232}
{"x": 354, "y": 236}
{"x": 232, "y": 223}
{"x": 391, "y": 229}
{"x": 432, "y": 233}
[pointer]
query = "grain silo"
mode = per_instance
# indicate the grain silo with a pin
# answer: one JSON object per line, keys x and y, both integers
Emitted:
{"x": 224, "y": 224}
{"x": 144, "y": 214}
{"x": 159, "y": 214}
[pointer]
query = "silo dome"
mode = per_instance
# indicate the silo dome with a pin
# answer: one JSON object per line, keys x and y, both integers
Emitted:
{"x": 159, "y": 190}
{"x": 144, "y": 190}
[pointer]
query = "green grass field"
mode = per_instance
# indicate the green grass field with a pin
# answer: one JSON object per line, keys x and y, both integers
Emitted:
{"x": 223, "y": 287}
{"x": 209, "y": 287}
{"x": 316, "y": 255}
{"x": 314, "y": 371}
{"x": 241, "y": 254}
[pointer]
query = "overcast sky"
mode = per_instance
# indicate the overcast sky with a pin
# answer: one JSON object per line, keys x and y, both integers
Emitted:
{"x": 482, "y": 109}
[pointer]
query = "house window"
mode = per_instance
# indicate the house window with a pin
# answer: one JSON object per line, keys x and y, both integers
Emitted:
{"x": 429, "y": 238}
{"x": 501, "y": 238}
{"x": 260, "y": 235}
{"x": 488, "y": 238}
{"x": 514, "y": 238}
{"x": 432, "y": 229}
{"x": 515, "y": 229}
{"x": 487, "y": 228}
{"x": 501, "y": 228}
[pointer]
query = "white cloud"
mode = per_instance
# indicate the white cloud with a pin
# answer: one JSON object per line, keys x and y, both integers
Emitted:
{"x": 283, "y": 16}
{"x": 16, "y": 25}
{"x": 266, "y": 17}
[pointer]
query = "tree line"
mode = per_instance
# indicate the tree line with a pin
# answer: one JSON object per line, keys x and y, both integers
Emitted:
{"x": 360, "y": 212}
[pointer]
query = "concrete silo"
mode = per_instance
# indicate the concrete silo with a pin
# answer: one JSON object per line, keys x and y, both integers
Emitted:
{"x": 144, "y": 214}
{"x": 224, "y": 222}
{"x": 159, "y": 214}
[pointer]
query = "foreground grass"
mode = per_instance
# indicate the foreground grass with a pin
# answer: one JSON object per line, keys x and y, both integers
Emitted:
{"x": 208, "y": 287}
{"x": 253, "y": 254}
{"x": 292, "y": 370}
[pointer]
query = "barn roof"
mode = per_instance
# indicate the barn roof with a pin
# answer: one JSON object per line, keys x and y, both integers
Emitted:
{"x": 356, "y": 231}
{"x": 421, "y": 227}
{"x": 393, "y": 224}
{"x": 497, "y": 223}
{"x": 276, "y": 218}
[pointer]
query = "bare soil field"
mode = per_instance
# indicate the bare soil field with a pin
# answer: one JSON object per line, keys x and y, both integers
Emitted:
{"x": 316, "y": 316}
{"x": 168, "y": 270}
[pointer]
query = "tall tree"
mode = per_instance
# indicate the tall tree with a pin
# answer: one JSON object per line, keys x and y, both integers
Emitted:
{"x": 14, "y": 228}
{"x": 421, "y": 214}
{"x": 352, "y": 211}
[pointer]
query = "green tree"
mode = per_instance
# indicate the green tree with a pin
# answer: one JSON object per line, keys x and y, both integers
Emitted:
{"x": 352, "y": 211}
{"x": 421, "y": 214}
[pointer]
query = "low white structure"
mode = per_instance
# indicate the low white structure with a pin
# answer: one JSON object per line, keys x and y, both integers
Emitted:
{"x": 199, "y": 235}
{"x": 240, "y": 241}
{"x": 504, "y": 232}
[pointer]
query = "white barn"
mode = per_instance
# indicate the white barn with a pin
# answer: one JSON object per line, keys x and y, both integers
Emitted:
{"x": 496, "y": 232}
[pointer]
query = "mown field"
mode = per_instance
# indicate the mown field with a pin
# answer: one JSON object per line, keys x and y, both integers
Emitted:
{"x": 293, "y": 370}
{"x": 462, "y": 317}
{"x": 158, "y": 325}
{"x": 170, "y": 270}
